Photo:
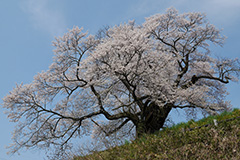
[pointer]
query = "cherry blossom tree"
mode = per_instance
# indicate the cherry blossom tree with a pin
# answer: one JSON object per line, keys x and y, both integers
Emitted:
{"x": 125, "y": 80}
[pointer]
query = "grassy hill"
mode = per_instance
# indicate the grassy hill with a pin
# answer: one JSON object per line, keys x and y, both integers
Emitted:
{"x": 203, "y": 139}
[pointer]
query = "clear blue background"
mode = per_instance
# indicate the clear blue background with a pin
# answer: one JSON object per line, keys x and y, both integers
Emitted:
{"x": 27, "y": 28}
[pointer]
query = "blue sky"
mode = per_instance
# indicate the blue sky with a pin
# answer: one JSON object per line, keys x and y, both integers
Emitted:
{"x": 28, "y": 28}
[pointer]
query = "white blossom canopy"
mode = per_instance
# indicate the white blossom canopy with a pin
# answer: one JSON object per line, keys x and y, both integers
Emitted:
{"x": 166, "y": 61}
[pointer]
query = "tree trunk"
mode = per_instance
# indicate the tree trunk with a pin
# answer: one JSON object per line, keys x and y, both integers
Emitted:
{"x": 153, "y": 119}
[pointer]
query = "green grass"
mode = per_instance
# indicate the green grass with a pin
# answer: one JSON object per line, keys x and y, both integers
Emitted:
{"x": 191, "y": 140}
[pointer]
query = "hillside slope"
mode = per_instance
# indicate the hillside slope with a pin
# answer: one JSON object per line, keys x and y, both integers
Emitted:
{"x": 203, "y": 139}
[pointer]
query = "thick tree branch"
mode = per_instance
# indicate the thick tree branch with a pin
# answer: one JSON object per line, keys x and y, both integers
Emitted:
{"x": 195, "y": 78}
{"x": 103, "y": 111}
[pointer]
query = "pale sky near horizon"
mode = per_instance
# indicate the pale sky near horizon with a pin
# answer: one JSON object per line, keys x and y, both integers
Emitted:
{"x": 28, "y": 28}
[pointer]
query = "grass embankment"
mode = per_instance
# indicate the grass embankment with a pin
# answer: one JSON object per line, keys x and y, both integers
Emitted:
{"x": 191, "y": 140}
